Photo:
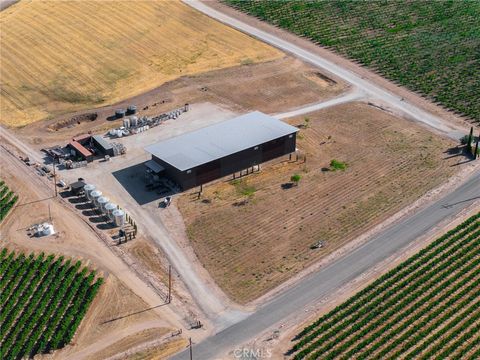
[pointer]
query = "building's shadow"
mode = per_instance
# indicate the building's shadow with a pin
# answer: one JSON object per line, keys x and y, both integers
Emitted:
{"x": 133, "y": 180}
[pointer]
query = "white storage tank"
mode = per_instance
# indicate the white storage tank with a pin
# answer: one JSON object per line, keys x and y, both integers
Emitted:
{"x": 119, "y": 133}
{"x": 47, "y": 229}
{"x": 118, "y": 217}
{"x": 109, "y": 208}
{"x": 102, "y": 201}
{"x": 133, "y": 121}
{"x": 94, "y": 195}
{"x": 126, "y": 123}
{"x": 88, "y": 190}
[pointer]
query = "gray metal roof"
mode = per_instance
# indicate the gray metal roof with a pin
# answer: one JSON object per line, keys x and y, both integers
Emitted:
{"x": 216, "y": 141}
{"x": 102, "y": 142}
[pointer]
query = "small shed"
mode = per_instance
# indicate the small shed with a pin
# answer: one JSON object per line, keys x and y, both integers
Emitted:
{"x": 80, "y": 150}
{"x": 104, "y": 146}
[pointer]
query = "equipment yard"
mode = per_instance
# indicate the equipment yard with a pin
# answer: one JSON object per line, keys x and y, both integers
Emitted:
{"x": 227, "y": 181}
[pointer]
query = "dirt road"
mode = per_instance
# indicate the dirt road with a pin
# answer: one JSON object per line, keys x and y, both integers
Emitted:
{"x": 114, "y": 337}
{"x": 395, "y": 103}
{"x": 350, "y": 96}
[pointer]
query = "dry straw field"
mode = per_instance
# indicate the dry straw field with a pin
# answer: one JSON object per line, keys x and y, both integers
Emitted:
{"x": 253, "y": 234}
{"x": 62, "y": 56}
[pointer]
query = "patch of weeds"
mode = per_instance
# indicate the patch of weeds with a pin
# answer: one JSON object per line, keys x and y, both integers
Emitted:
{"x": 337, "y": 165}
{"x": 243, "y": 188}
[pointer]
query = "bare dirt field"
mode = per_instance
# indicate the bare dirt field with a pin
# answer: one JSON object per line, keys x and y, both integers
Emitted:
{"x": 117, "y": 313}
{"x": 390, "y": 163}
{"x": 267, "y": 87}
{"x": 65, "y": 56}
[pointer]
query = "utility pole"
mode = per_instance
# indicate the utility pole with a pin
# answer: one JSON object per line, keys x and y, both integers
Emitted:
{"x": 169, "y": 284}
{"x": 190, "y": 346}
{"x": 54, "y": 176}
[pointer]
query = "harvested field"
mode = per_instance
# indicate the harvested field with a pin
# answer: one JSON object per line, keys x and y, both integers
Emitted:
{"x": 390, "y": 162}
{"x": 59, "y": 57}
{"x": 426, "y": 307}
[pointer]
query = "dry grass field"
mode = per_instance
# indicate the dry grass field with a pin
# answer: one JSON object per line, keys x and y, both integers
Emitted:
{"x": 252, "y": 246}
{"x": 62, "y": 56}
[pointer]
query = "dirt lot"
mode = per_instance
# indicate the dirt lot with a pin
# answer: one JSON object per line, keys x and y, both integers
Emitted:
{"x": 65, "y": 56}
{"x": 390, "y": 163}
{"x": 266, "y": 87}
{"x": 118, "y": 311}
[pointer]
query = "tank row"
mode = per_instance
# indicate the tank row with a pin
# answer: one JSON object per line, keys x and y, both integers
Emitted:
{"x": 103, "y": 204}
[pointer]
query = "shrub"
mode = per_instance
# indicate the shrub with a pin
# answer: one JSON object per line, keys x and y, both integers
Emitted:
{"x": 337, "y": 165}
{"x": 295, "y": 178}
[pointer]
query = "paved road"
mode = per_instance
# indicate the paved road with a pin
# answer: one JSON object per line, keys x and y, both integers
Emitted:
{"x": 344, "y": 270}
{"x": 6, "y": 3}
{"x": 366, "y": 86}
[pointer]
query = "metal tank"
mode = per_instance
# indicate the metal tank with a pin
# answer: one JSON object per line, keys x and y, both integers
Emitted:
{"x": 102, "y": 201}
{"x": 118, "y": 217}
{"x": 94, "y": 195}
{"x": 88, "y": 190}
{"x": 109, "y": 208}
{"x": 126, "y": 123}
{"x": 133, "y": 121}
{"x": 120, "y": 113}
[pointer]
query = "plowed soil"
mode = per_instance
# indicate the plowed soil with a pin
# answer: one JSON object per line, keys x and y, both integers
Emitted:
{"x": 252, "y": 243}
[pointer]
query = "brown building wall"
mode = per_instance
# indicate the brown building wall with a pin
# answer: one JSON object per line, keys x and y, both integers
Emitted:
{"x": 230, "y": 164}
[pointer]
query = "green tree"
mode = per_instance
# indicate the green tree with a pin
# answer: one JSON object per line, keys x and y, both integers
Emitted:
{"x": 295, "y": 178}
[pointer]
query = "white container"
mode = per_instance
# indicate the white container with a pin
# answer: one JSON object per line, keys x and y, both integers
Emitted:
{"x": 109, "y": 208}
{"x": 118, "y": 217}
{"x": 88, "y": 189}
{"x": 94, "y": 195}
{"x": 119, "y": 133}
{"x": 102, "y": 201}
{"x": 126, "y": 123}
{"x": 133, "y": 121}
{"x": 47, "y": 229}
{"x": 112, "y": 132}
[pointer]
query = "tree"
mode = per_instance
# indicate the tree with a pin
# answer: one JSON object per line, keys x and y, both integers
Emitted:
{"x": 295, "y": 178}
{"x": 469, "y": 141}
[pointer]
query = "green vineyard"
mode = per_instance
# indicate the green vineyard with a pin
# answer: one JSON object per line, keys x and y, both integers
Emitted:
{"x": 43, "y": 299}
{"x": 428, "y": 307}
{"x": 428, "y": 46}
{"x": 7, "y": 200}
